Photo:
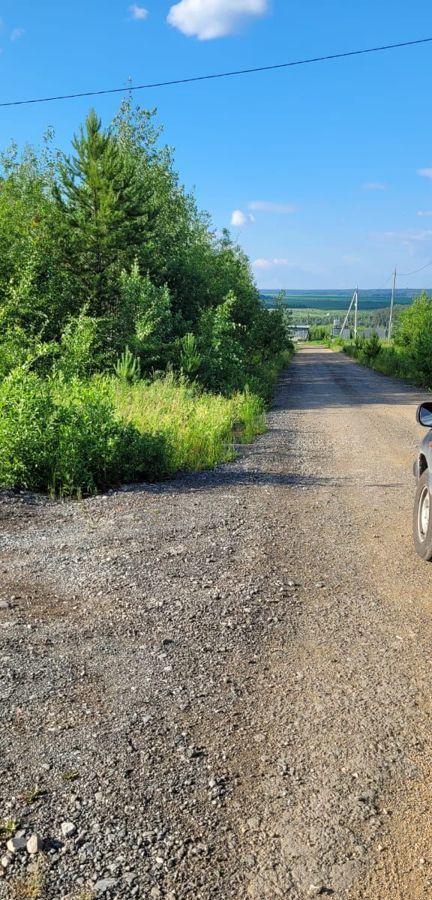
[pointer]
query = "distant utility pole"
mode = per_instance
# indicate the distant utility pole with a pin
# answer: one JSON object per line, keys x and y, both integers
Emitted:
{"x": 390, "y": 324}
{"x": 356, "y": 313}
{"x": 354, "y": 302}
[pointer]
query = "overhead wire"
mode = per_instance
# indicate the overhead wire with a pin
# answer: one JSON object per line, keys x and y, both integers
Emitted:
{"x": 414, "y": 272}
{"x": 217, "y": 75}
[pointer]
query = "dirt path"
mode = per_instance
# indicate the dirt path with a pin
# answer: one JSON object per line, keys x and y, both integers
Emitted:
{"x": 224, "y": 682}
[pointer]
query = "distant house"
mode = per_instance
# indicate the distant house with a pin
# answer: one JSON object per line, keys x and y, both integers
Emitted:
{"x": 300, "y": 332}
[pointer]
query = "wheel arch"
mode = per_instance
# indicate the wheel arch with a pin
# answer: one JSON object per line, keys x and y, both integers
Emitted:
{"x": 422, "y": 464}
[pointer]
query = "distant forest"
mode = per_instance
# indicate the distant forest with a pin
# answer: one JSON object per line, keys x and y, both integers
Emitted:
{"x": 339, "y": 299}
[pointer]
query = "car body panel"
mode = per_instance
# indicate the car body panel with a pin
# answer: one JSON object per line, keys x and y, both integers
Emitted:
{"x": 424, "y": 457}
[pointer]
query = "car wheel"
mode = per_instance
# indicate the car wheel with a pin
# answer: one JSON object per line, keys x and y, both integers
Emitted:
{"x": 422, "y": 518}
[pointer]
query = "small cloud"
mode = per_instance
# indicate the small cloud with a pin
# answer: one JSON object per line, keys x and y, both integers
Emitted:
{"x": 425, "y": 173}
{"x": 374, "y": 186}
{"x": 424, "y": 213}
{"x": 208, "y": 19}
{"x": 138, "y": 13}
{"x": 270, "y": 207}
{"x": 239, "y": 218}
{"x": 270, "y": 263}
{"x": 16, "y": 33}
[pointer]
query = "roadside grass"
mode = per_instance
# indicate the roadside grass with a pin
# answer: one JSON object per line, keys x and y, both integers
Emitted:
{"x": 76, "y": 437}
{"x": 199, "y": 429}
{"x": 391, "y": 360}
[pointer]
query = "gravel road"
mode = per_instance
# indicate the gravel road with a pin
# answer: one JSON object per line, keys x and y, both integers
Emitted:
{"x": 220, "y": 687}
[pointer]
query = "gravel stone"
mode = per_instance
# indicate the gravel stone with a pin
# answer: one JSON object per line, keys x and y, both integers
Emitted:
{"x": 68, "y": 829}
{"x": 34, "y": 844}
{"x": 104, "y": 885}
{"x": 16, "y": 843}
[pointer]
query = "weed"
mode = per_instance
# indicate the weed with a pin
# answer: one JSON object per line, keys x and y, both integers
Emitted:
{"x": 31, "y": 885}
{"x": 70, "y": 776}
{"x": 8, "y": 828}
{"x": 35, "y": 793}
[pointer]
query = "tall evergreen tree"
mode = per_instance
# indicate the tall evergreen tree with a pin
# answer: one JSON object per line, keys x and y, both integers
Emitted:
{"x": 103, "y": 218}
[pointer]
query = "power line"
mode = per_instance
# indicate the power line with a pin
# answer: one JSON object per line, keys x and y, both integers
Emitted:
{"x": 158, "y": 84}
{"x": 414, "y": 272}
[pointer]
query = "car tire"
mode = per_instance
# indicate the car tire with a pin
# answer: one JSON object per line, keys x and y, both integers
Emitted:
{"x": 422, "y": 518}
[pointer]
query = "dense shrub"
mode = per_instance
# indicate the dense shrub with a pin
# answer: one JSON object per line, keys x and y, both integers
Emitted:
{"x": 76, "y": 437}
{"x": 65, "y": 437}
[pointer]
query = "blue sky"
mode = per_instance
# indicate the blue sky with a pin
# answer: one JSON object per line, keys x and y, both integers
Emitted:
{"x": 319, "y": 165}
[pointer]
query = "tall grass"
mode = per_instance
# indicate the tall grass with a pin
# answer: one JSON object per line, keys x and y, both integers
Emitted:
{"x": 199, "y": 428}
{"x": 75, "y": 437}
{"x": 392, "y": 360}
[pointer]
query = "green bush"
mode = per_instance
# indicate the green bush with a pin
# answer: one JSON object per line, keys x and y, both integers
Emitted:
{"x": 409, "y": 356}
{"x": 199, "y": 428}
{"x": 75, "y": 437}
{"x": 65, "y": 437}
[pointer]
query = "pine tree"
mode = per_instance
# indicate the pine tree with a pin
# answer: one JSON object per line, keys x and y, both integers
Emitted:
{"x": 102, "y": 216}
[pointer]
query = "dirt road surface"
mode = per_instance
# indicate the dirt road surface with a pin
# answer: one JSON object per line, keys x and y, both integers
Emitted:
{"x": 223, "y": 683}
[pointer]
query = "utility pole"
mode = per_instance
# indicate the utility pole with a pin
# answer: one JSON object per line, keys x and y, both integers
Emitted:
{"x": 348, "y": 313}
{"x": 356, "y": 313}
{"x": 390, "y": 324}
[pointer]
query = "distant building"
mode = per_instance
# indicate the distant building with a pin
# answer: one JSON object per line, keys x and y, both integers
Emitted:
{"x": 300, "y": 332}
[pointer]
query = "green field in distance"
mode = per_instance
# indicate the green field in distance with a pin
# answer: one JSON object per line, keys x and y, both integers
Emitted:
{"x": 337, "y": 301}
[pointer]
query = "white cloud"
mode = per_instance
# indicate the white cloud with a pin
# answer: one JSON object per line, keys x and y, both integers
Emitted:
{"x": 207, "y": 19}
{"x": 374, "y": 186}
{"x": 426, "y": 173}
{"x": 268, "y": 206}
{"x": 138, "y": 13}
{"x": 270, "y": 263}
{"x": 238, "y": 218}
{"x": 424, "y": 212}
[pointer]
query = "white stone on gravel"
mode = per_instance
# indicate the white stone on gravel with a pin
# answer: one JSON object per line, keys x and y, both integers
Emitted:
{"x": 34, "y": 843}
{"x": 16, "y": 843}
{"x": 68, "y": 829}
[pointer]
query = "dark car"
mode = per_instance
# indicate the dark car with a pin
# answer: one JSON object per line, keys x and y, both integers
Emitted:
{"x": 422, "y": 518}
